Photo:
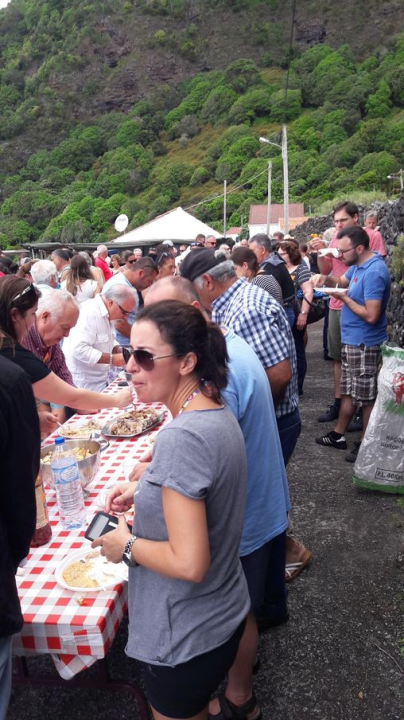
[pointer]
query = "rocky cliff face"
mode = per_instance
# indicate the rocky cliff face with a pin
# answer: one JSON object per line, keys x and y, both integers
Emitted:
{"x": 391, "y": 223}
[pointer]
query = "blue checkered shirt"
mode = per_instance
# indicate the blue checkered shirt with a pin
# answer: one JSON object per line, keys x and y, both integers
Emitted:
{"x": 256, "y": 317}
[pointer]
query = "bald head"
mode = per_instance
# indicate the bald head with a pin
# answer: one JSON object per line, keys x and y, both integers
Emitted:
{"x": 172, "y": 288}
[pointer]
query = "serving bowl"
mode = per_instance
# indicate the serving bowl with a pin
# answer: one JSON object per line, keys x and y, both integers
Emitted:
{"x": 88, "y": 467}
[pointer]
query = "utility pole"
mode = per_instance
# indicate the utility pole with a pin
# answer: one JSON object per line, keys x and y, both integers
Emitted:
{"x": 284, "y": 148}
{"x": 224, "y": 208}
{"x": 285, "y": 178}
{"x": 269, "y": 200}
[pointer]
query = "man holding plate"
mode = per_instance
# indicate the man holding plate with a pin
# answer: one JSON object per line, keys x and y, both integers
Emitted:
{"x": 365, "y": 292}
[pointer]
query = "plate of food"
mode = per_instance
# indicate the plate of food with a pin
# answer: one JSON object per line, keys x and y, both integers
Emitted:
{"x": 133, "y": 423}
{"x": 336, "y": 290}
{"x": 88, "y": 571}
{"x": 80, "y": 430}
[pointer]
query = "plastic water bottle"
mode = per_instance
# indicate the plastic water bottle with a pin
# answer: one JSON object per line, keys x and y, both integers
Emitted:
{"x": 69, "y": 492}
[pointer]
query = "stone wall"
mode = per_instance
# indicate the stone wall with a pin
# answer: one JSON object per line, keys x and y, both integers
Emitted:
{"x": 391, "y": 224}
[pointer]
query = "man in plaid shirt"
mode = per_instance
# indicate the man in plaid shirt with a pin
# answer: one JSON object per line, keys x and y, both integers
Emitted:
{"x": 256, "y": 317}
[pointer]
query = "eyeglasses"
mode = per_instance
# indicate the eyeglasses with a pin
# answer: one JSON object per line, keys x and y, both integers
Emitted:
{"x": 342, "y": 252}
{"x": 124, "y": 312}
{"x": 143, "y": 358}
{"x": 26, "y": 290}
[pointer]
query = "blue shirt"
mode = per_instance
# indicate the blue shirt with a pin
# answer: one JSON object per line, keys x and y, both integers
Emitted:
{"x": 121, "y": 279}
{"x": 370, "y": 281}
{"x": 248, "y": 395}
{"x": 256, "y": 317}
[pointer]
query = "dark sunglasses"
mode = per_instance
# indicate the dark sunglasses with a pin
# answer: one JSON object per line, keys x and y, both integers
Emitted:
{"x": 26, "y": 290}
{"x": 143, "y": 358}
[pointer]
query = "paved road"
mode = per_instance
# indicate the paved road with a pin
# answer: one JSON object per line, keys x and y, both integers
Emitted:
{"x": 334, "y": 660}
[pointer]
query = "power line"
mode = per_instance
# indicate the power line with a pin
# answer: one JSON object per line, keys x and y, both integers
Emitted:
{"x": 215, "y": 197}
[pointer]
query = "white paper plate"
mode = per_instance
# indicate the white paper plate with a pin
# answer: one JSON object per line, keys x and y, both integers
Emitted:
{"x": 338, "y": 291}
{"x": 110, "y": 573}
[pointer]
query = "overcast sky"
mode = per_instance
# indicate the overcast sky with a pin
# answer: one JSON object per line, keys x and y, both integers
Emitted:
{"x": 3, "y": 3}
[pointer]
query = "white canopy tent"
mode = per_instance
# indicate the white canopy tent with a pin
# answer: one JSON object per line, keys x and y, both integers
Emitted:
{"x": 176, "y": 225}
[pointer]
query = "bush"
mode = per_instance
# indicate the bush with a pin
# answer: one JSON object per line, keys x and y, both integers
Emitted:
{"x": 200, "y": 176}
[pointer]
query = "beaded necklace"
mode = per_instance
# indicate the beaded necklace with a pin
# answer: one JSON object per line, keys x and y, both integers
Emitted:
{"x": 189, "y": 398}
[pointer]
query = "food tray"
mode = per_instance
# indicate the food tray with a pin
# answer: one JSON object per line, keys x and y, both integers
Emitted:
{"x": 96, "y": 432}
{"x": 106, "y": 430}
{"x": 115, "y": 573}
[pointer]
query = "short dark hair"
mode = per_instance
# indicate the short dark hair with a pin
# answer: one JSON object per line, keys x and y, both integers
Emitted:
{"x": 349, "y": 208}
{"x": 144, "y": 263}
{"x": 357, "y": 236}
{"x": 62, "y": 254}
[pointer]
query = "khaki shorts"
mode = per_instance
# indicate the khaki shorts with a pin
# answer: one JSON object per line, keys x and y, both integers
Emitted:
{"x": 359, "y": 370}
{"x": 334, "y": 335}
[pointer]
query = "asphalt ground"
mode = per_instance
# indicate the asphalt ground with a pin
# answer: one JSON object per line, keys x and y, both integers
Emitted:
{"x": 338, "y": 657}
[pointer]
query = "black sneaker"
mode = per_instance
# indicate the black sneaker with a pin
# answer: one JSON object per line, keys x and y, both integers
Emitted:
{"x": 330, "y": 415}
{"x": 329, "y": 441}
{"x": 356, "y": 424}
{"x": 353, "y": 454}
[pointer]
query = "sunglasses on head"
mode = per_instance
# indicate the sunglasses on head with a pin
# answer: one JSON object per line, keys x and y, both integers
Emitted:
{"x": 143, "y": 358}
{"x": 26, "y": 290}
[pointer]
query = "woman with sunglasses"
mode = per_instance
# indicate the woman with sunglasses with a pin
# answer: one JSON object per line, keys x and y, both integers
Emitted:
{"x": 166, "y": 265}
{"x": 79, "y": 281}
{"x": 18, "y": 305}
{"x": 188, "y": 598}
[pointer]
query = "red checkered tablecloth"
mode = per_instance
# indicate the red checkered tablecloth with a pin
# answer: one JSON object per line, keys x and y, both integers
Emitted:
{"x": 75, "y": 628}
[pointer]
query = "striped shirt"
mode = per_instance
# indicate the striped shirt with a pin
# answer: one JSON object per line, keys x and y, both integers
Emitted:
{"x": 256, "y": 317}
{"x": 52, "y": 356}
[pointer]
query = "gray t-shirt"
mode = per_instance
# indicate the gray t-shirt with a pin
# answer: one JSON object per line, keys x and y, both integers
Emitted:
{"x": 201, "y": 455}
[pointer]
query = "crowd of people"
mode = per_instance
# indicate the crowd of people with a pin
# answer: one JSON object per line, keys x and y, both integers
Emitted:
{"x": 215, "y": 333}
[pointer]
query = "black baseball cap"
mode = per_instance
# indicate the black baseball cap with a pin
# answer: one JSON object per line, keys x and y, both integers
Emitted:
{"x": 199, "y": 261}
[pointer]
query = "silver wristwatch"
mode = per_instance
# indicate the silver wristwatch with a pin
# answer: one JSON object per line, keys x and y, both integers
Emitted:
{"x": 127, "y": 553}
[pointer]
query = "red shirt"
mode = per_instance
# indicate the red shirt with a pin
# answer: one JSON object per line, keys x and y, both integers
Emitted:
{"x": 102, "y": 265}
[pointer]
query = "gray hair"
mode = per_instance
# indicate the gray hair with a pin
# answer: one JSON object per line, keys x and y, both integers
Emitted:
{"x": 119, "y": 293}
{"x": 370, "y": 213}
{"x": 102, "y": 248}
{"x": 54, "y": 302}
{"x": 262, "y": 240}
{"x": 220, "y": 273}
{"x": 43, "y": 271}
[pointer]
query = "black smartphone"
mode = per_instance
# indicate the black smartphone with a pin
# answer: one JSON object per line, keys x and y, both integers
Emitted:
{"x": 123, "y": 383}
{"x": 100, "y": 524}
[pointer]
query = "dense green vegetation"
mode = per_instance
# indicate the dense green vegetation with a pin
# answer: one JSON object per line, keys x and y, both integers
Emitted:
{"x": 345, "y": 127}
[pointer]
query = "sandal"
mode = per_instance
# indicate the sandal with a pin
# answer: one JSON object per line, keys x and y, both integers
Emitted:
{"x": 292, "y": 570}
{"x": 229, "y": 711}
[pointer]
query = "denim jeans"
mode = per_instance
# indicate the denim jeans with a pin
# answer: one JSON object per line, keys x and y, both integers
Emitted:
{"x": 289, "y": 428}
{"x": 290, "y": 312}
{"x": 5, "y": 675}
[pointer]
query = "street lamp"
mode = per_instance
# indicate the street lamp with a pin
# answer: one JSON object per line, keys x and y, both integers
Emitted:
{"x": 396, "y": 175}
{"x": 284, "y": 148}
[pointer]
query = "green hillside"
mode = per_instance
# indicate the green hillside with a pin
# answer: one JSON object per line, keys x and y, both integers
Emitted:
{"x": 70, "y": 163}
